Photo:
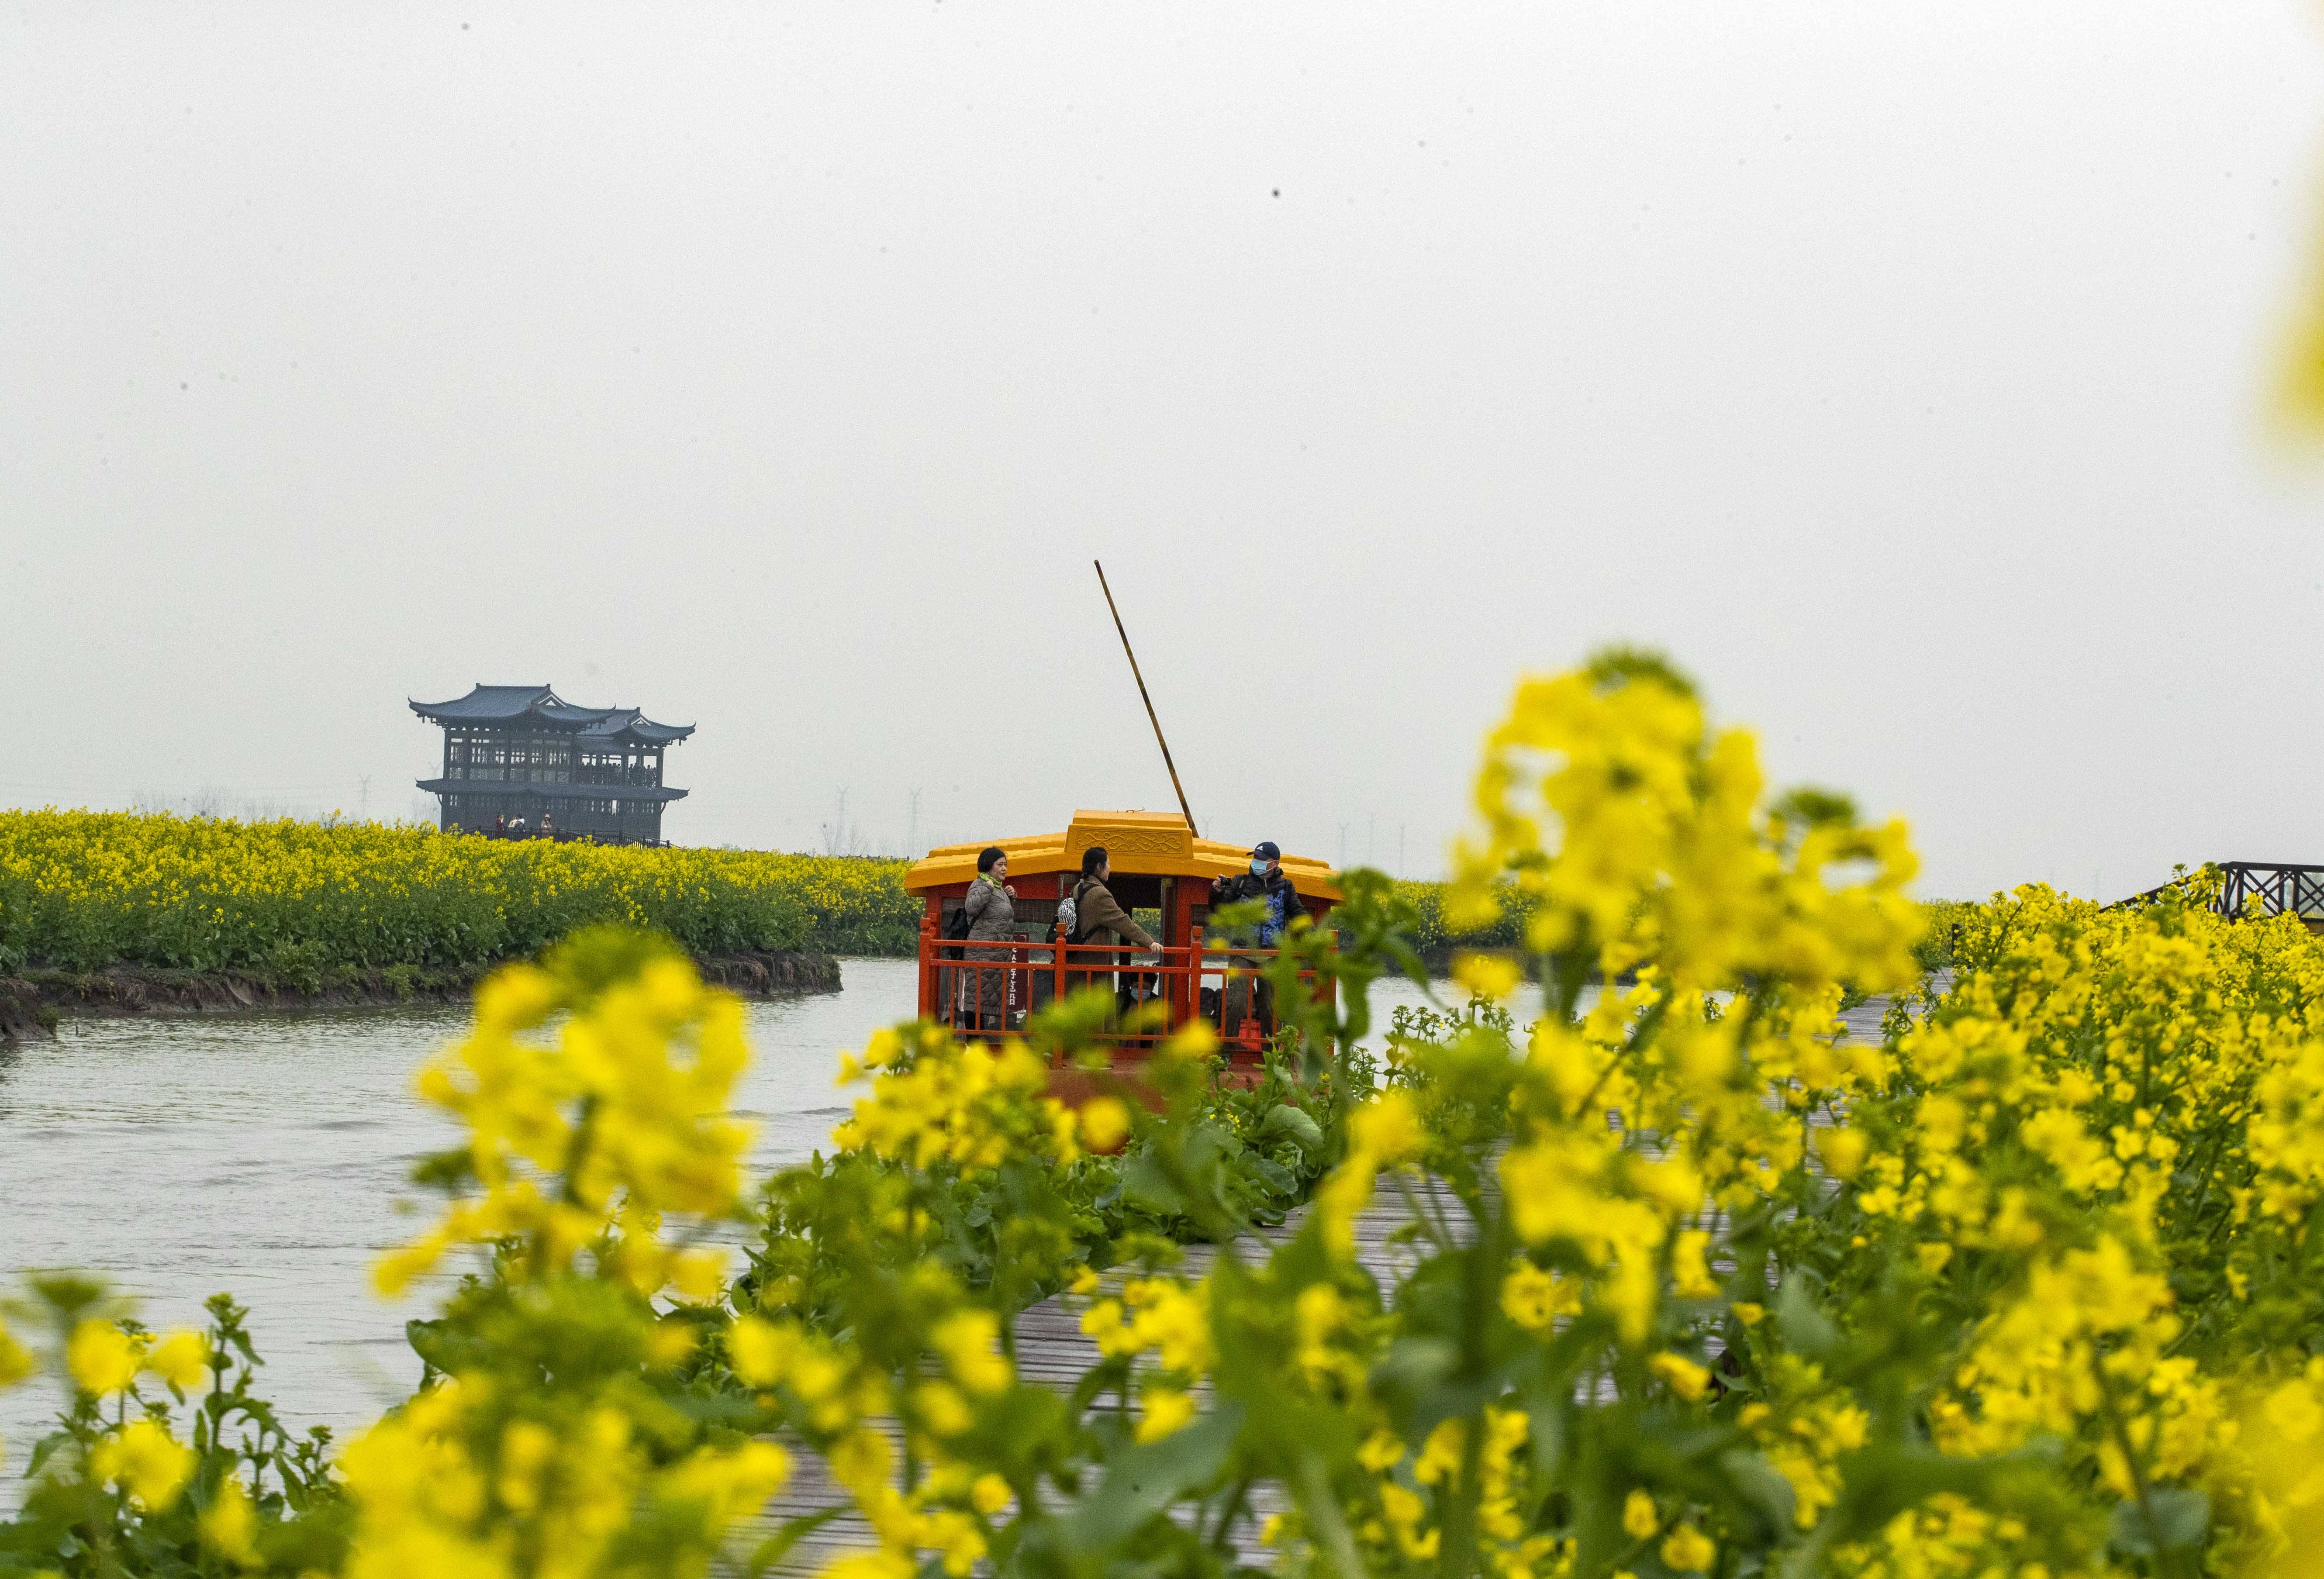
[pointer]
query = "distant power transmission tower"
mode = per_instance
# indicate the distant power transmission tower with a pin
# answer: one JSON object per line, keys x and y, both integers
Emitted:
{"x": 362, "y": 799}
{"x": 841, "y": 836}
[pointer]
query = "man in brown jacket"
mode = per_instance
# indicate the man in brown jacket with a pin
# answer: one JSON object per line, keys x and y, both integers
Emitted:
{"x": 1100, "y": 919}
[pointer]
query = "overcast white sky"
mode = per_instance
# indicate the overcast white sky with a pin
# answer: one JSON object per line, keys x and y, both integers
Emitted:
{"x": 1898, "y": 369}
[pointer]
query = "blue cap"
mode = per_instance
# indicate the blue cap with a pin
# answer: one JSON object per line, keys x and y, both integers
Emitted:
{"x": 1266, "y": 850}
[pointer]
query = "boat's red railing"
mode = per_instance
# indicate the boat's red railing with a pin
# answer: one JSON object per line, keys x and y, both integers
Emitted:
{"x": 1021, "y": 973}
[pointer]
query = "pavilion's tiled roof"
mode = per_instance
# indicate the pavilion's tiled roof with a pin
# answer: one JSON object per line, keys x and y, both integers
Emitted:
{"x": 628, "y": 720}
{"x": 510, "y": 703}
{"x": 489, "y": 703}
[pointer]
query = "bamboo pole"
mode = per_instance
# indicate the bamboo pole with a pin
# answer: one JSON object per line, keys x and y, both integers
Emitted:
{"x": 1149, "y": 701}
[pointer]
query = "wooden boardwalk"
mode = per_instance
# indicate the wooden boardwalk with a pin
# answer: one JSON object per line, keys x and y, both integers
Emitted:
{"x": 1052, "y": 1349}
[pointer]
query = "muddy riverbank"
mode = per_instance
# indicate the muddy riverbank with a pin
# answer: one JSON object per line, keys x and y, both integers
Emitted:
{"x": 33, "y": 1003}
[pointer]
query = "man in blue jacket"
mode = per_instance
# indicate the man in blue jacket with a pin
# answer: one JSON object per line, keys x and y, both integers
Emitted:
{"x": 1265, "y": 882}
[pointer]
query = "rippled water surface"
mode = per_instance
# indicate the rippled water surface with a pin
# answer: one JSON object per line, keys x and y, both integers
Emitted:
{"x": 267, "y": 1155}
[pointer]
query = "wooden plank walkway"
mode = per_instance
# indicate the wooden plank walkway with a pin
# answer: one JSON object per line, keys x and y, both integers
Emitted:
{"x": 1052, "y": 1349}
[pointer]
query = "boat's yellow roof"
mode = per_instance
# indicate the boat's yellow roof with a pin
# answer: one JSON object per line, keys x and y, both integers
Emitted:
{"x": 1144, "y": 843}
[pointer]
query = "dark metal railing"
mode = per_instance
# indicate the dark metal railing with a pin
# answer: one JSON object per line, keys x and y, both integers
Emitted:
{"x": 2281, "y": 887}
{"x": 2281, "y": 890}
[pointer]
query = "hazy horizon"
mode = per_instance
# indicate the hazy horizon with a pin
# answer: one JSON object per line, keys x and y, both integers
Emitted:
{"x": 1900, "y": 372}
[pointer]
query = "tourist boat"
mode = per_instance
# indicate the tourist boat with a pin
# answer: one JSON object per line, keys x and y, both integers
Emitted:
{"x": 1158, "y": 868}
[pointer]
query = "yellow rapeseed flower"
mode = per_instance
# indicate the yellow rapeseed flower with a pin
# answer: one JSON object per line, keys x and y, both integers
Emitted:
{"x": 229, "y": 1525}
{"x": 146, "y": 1462}
{"x": 1104, "y": 1124}
{"x": 15, "y": 1360}
{"x": 182, "y": 1359}
{"x": 103, "y": 1359}
{"x": 1166, "y": 1409}
{"x": 1689, "y": 1550}
{"x": 1490, "y": 976}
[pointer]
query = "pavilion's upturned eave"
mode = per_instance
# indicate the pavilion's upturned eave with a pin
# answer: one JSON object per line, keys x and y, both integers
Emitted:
{"x": 485, "y": 703}
{"x": 647, "y": 732}
{"x": 631, "y": 724}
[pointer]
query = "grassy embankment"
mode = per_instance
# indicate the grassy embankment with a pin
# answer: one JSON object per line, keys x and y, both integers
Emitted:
{"x": 310, "y": 909}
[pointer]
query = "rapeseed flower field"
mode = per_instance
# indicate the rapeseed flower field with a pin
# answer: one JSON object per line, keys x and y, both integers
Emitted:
{"x": 88, "y": 889}
{"x": 83, "y": 890}
{"x": 2029, "y": 1287}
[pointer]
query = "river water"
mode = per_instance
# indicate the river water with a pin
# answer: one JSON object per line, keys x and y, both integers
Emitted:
{"x": 267, "y": 1155}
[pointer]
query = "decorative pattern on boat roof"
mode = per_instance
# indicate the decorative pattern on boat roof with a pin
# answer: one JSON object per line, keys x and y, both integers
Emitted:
{"x": 1154, "y": 843}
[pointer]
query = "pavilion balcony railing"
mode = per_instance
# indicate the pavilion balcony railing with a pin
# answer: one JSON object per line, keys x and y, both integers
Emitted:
{"x": 572, "y": 836}
{"x": 549, "y": 773}
{"x": 985, "y": 987}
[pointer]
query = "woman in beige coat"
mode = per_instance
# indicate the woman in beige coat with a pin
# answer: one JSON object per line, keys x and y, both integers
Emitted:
{"x": 1100, "y": 919}
{"x": 990, "y": 903}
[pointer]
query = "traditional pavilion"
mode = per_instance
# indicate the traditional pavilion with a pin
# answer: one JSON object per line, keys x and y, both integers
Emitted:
{"x": 519, "y": 753}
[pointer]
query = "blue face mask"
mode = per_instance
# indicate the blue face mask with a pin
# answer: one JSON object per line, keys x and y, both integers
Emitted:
{"x": 1258, "y": 867}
